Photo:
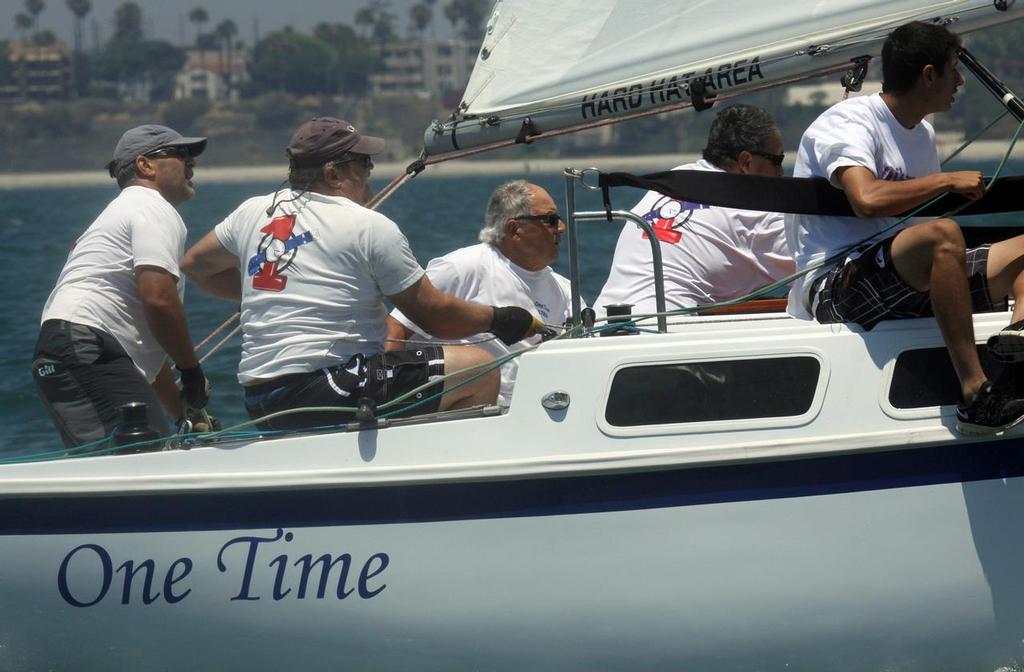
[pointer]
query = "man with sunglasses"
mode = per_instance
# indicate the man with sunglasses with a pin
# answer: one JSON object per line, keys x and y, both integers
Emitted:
{"x": 311, "y": 267}
{"x": 880, "y": 151}
{"x": 116, "y": 312}
{"x": 511, "y": 266}
{"x": 709, "y": 253}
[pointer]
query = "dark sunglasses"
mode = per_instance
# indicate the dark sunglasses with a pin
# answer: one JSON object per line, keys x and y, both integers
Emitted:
{"x": 777, "y": 159}
{"x": 171, "y": 152}
{"x": 364, "y": 159}
{"x": 551, "y": 219}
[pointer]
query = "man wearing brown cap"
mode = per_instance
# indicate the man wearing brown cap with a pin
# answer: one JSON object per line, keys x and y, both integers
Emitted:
{"x": 116, "y": 312}
{"x": 311, "y": 267}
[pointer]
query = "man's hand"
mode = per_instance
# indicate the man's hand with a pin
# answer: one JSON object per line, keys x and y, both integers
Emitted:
{"x": 969, "y": 183}
{"x": 512, "y": 324}
{"x": 194, "y": 387}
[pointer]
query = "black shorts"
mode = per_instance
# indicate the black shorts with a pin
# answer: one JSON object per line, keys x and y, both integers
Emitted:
{"x": 84, "y": 377}
{"x": 381, "y": 378}
{"x": 867, "y": 289}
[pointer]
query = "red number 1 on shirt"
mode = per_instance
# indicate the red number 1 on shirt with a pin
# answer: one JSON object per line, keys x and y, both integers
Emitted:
{"x": 280, "y": 230}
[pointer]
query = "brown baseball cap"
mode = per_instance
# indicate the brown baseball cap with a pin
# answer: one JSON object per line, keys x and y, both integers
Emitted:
{"x": 323, "y": 138}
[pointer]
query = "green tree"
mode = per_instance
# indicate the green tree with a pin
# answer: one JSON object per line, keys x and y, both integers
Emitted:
{"x": 289, "y": 61}
{"x": 226, "y": 31}
{"x": 80, "y": 8}
{"x": 182, "y": 115}
{"x": 35, "y": 8}
{"x": 378, "y": 19}
{"x": 277, "y": 110}
{"x": 467, "y": 17}
{"x": 421, "y": 15}
{"x": 23, "y": 24}
{"x": 355, "y": 57}
{"x": 199, "y": 16}
{"x": 144, "y": 66}
{"x": 127, "y": 22}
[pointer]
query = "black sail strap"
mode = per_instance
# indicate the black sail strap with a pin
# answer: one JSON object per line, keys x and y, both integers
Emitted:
{"x": 798, "y": 195}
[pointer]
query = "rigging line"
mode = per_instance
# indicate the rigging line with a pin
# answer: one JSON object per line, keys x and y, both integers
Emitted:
{"x": 216, "y": 331}
{"x": 967, "y": 143}
{"x": 221, "y": 342}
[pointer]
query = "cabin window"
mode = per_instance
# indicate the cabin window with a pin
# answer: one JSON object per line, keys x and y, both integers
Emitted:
{"x": 739, "y": 389}
{"x": 925, "y": 377}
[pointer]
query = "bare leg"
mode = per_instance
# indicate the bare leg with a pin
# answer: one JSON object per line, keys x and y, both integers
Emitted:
{"x": 483, "y": 390}
{"x": 930, "y": 257}
{"x": 1006, "y": 273}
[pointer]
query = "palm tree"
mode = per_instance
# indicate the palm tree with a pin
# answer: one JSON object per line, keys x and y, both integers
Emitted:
{"x": 199, "y": 16}
{"x": 472, "y": 14}
{"x": 226, "y": 31}
{"x": 23, "y": 23}
{"x": 420, "y": 16}
{"x": 128, "y": 22}
{"x": 35, "y": 8}
{"x": 79, "y": 8}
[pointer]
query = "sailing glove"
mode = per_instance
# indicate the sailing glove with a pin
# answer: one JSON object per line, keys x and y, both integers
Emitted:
{"x": 512, "y": 324}
{"x": 194, "y": 387}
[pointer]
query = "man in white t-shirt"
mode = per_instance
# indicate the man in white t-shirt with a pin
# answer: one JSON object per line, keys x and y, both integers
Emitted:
{"x": 116, "y": 312}
{"x": 511, "y": 266}
{"x": 311, "y": 267}
{"x": 881, "y": 152}
{"x": 709, "y": 253}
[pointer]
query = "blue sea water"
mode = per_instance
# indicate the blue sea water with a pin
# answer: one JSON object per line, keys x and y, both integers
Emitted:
{"x": 437, "y": 214}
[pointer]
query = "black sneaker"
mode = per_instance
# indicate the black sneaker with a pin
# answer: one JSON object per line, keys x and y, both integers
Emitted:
{"x": 1008, "y": 345}
{"x": 990, "y": 413}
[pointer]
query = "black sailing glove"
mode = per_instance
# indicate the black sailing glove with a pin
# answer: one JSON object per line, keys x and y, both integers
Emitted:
{"x": 512, "y": 324}
{"x": 194, "y": 387}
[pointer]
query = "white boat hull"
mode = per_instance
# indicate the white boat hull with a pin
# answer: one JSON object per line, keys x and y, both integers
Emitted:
{"x": 858, "y": 534}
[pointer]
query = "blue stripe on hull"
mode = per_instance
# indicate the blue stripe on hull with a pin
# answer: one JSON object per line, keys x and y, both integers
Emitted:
{"x": 513, "y": 498}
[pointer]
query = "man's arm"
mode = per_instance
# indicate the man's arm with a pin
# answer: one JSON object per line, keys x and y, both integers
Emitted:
{"x": 213, "y": 269}
{"x": 165, "y": 315}
{"x": 872, "y": 197}
{"x": 168, "y": 394}
{"x": 442, "y": 315}
{"x": 397, "y": 332}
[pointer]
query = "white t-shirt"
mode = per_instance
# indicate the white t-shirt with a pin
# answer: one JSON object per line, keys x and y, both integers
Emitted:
{"x": 856, "y": 132}
{"x": 481, "y": 273}
{"x": 709, "y": 254}
{"x": 97, "y": 286}
{"x": 314, "y": 278}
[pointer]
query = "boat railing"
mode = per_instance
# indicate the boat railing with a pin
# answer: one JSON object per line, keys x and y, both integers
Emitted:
{"x": 571, "y": 177}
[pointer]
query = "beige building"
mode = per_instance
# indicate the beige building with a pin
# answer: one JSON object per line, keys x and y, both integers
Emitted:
{"x": 211, "y": 75}
{"x": 38, "y": 72}
{"x": 428, "y": 68}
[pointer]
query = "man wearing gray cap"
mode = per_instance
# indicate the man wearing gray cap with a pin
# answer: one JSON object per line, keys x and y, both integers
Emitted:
{"x": 311, "y": 267}
{"x": 116, "y": 312}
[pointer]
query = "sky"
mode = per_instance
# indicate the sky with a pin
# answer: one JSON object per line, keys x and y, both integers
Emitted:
{"x": 168, "y": 19}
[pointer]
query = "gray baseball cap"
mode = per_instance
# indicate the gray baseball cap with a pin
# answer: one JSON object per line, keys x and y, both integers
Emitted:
{"x": 147, "y": 139}
{"x": 323, "y": 138}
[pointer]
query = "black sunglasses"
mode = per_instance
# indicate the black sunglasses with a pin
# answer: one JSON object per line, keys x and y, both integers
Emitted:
{"x": 171, "y": 152}
{"x": 777, "y": 159}
{"x": 551, "y": 219}
{"x": 364, "y": 159}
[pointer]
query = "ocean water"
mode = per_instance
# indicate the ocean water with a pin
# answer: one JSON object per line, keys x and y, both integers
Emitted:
{"x": 437, "y": 214}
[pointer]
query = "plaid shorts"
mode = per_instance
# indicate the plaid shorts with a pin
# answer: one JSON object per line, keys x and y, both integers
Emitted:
{"x": 381, "y": 378}
{"x": 866, "y": 289}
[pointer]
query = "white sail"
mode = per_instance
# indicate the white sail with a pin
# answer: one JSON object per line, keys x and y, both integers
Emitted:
{"x": 579, "y": 62}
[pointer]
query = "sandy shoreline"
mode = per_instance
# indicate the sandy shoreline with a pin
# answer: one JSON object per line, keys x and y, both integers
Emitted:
{"x": 984, "y": 150}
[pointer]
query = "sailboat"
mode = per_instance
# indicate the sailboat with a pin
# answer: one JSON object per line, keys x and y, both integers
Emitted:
{"x": 739, "y": 491}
